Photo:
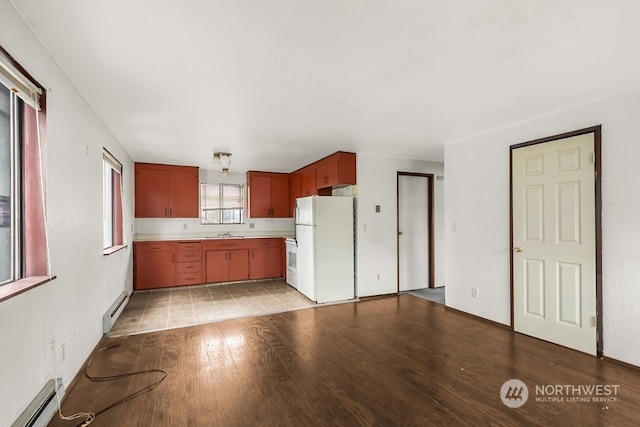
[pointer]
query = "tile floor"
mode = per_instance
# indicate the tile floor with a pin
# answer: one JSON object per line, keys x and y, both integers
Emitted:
{"x": 432, "y": 294}
{"x": 191, "y": 305}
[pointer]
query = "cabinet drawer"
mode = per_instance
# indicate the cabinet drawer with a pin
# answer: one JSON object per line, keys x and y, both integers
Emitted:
{"x": 189, "y": 267}
{"x": 189, "y": 256}
{"x": 189, "y": 246}
{"x": 154, "y": 246}
{"x": 266, "y": 243}
{"x": 189, "y": 278}
{"x": 222, "y": 244}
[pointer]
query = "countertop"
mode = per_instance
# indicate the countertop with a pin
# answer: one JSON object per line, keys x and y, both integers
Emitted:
{"x": 183, "y": 237}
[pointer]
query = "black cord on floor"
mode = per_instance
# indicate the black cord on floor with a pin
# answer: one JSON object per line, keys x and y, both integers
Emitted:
{"x": 119, "y": 376}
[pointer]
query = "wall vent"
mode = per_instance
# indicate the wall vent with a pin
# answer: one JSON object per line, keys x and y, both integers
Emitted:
{"x": 114, "y": 312}
{"x": 42, "y": 408}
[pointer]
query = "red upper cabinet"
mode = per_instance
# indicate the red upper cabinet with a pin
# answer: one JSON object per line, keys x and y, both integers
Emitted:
{"x": 294, "y": 189}
{"x": 337, "y": 169}
{"x": 268, "y": 195}
{"x": 308, "y": 185}
{"x": 163, "y": 191}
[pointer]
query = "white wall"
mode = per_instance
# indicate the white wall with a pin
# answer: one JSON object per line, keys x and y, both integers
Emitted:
{"x": 477, "y": 186}
{"x": 377, "y": 246}
{"x": 49, "y": 331}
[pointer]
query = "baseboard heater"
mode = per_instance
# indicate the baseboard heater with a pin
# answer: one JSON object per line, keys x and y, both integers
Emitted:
{"x": 114, "y": 312}
{"x": 42, "y": 408}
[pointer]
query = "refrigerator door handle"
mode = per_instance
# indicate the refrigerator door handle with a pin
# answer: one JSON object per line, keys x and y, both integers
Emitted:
{"x": 295, "y": 223}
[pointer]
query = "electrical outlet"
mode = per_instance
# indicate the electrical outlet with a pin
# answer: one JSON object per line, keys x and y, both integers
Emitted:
{"x": 184, "y": 226}
{"x": 252, "y": 225}
{"x": 364, "y": 228}
{"x": 474, "y": 293}
{"x": 378, "y": 276}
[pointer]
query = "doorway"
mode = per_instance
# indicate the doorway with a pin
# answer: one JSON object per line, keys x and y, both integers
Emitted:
{"x": 556, "y": 260}
{"x": 415, "y": 240}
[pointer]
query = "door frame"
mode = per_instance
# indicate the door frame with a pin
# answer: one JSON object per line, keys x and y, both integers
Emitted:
{"x": 597, "y": 146}
{"x": 430, "y": 226}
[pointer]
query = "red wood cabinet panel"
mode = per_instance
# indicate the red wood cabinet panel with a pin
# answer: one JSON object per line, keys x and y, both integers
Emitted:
{"x": 337, "y": 169}
{"x": 268, "y": 195}
{"x": 226, "y": 244}
{"x": 266, "y": 258}
{"x": 217, "y": 266}
{"x": 294, "y": 190}
{"x": 266, "y": 262}
{"x": 238, "y": 264}
{"x": 308, "y": 181}
{"x": 259, "y": 205}
{"x": 227, "y": 265}
{"x": 189, "y": 267}
{"x": 190, "y": 278}
{"x": 154, "y": 268}
{"x": 184, "y": 193}
{"x": 189, "y": 256}
{"x": 164, "y": 191}
{"x": 151, "y": 193}
{"x": 280, "y": 196}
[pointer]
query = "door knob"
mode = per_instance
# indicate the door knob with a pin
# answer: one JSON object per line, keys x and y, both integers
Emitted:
{"x": 399, "y": 233}
{"x": 517, "y": 249}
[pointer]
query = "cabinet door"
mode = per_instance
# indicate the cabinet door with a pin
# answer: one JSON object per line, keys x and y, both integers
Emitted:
{"x": 321, "y": 174}
{"x": 259, "y": 196}
{"x": 280, "y": 197}
{"x": 266, "y": 258}
{"x": 273, "y": 262}
{"x": 332, "y": 171}
{"x": 259, "y": 263}
{"x": 347, "y": 169}
{"x": 155, "y": 269}
{"x": 217, "y": 266}
{"x": 152, "y": 197}
{"x": 238, "y": 264}
{"x": 183, "y": 193}
{"x": 308, "y": 181}
{"x": 294, "y": 191}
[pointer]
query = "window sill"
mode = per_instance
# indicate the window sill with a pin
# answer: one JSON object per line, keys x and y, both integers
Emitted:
{"x": 12, "y": 289}
{"x": 113, "y": 249}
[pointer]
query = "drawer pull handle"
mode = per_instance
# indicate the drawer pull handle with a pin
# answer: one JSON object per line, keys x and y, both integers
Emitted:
{"x": 189, "y": 266}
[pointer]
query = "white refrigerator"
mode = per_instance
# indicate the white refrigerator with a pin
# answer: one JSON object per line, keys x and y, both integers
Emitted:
{"x": 325, "y": 259}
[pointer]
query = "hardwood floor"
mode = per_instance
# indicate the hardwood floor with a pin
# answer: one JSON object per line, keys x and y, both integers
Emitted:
{"x": 388, "y": 361}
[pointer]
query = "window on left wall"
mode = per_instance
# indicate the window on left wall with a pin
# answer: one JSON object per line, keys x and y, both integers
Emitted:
{"x": 24, "y": 258}
{"x": 112, "y": 237}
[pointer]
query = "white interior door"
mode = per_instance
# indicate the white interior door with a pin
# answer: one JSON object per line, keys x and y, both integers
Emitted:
{"x": 413, "y": 232}
{"x": 554, "y": 260}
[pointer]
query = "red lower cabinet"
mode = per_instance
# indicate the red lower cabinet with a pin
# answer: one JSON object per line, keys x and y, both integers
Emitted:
{"x": 189, "y": 263}
{"x": 266, "y": 258}
{"x": 227, "y": 265}
{"x": 181, "y": 263}
{"x": 154, "y": 265}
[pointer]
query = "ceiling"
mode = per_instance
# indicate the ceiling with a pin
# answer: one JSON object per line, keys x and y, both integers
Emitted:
{"x": 282, "y": 83}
